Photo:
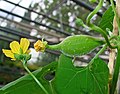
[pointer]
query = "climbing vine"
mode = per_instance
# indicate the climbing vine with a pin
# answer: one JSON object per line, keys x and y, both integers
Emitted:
{"x": 94, "y": 78}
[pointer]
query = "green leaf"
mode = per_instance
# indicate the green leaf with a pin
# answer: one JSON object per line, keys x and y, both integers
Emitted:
{"x": 107, "y": 19}
{"x": 77, "y": 45}
{"x": 92, "y": 79}
{"x": 26, "y": 84}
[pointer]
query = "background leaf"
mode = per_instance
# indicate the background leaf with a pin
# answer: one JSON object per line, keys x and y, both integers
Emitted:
{"x": 92, "y": 79}
{"x": 26, "y": 84}
{"x": 107, "y": 19}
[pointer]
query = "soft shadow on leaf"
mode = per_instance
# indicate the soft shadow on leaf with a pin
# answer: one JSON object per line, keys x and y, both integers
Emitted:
{"x": 92, "y": 79}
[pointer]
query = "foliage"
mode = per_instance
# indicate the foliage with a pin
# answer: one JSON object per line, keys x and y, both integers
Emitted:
{"x": 90, "y": 79}
{"x": 107, "y": 20}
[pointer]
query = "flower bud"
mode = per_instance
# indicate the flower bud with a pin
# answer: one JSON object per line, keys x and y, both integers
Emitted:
{"x": 40, "y": 46}
{"x": 79, "y": 22}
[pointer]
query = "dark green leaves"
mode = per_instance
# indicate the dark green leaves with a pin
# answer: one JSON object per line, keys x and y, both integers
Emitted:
{"x": 92, "y": 79}
{"x": 26, "y": 84}
{"x": 77, "y": 45}
{"x": 107, "y": 19}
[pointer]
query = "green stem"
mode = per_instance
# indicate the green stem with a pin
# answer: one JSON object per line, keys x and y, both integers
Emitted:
{"x": 116, "y": 73}
{"x": 117, "y": 18}
{"x": 50, "y": 82}
{"x": 54, "y": 47}
{"x": 94, "y": 12}
{"x": 96, "y": 28}
{"x": 36, "y": 80}
{"x": 97, "y": 55}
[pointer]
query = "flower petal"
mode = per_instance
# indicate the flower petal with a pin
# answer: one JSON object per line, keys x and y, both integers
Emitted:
{"x": 28, "y": 51}
{"x": 24, "y": 44}
{"x": 15, "y": 47}
{"x": 39, "y": 46}
{"x": 8, "y": 53}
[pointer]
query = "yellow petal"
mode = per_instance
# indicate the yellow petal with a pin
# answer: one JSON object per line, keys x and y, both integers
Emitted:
{"x": 13, "y": 59}
{"x": 28, "y": 51}
{"x": 24, "y": 44}
{"x": 8, "y": 53}
{"x": 15, "y": 47}
{"x": 39, "y": 46}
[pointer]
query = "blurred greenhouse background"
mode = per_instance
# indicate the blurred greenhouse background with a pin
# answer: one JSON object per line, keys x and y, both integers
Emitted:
{"x": 52, "y": 20}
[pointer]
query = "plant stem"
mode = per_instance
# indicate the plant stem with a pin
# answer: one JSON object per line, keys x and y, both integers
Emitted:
{"x": 94, "y": 11}
{"x": 36, "y": 80}
{"x": 50, "y": 82}
{"x": 116, "y": 73}
{"x": 96, "y": 28}
{"x": 54, "y": 47}
{"x": 97, "y": 55}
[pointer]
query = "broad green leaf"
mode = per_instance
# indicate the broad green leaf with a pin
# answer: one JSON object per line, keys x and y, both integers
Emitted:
{"x": 107, "y": 19}
{"x": 92, "y": 79}
{"x": 26, "y": 84}
{"x": 77, "y": 45}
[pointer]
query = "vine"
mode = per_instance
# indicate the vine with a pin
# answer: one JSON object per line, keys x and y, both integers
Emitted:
{"x": 91, "y": 79}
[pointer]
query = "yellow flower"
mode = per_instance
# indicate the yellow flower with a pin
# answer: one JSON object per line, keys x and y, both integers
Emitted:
{"x": 40, "y": 46}
{"x": 17, "y": 48}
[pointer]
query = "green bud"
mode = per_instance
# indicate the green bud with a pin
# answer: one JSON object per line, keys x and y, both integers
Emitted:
{"x": 79, "y": 22}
